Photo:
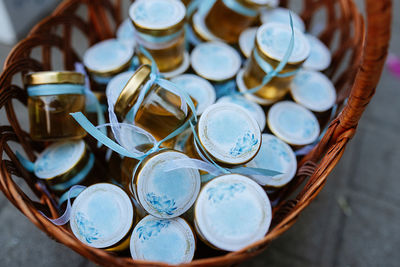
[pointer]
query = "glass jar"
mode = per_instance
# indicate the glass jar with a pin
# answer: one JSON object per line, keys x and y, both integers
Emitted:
{"x": 272, "y": 42}
{"x": 159, "y": 27}
{"x": 232, "y": 212}
{"x": 293, "y": 124}
{"x": 106, "y": 59}
{"x": 102, "y": 216}
{"x": 320, "y": 56}
{"x": 171, "y": 241}
{"x": 275, "y": 155}
{"x": 228, "y": 134}
{"x": 126, "y": 33}
{"x": 65, "y": 164}
{"x": 159, "y": 113}
{"x": 52, "y": 96}
{"x": 165, "y": 194}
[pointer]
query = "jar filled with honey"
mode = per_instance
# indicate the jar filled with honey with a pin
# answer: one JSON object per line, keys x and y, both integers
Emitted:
{"x": 160, "y": 111}
{"x": 271, "y": 45}
{"x": 159, "y": 28}
{"x": 52, "y": 96}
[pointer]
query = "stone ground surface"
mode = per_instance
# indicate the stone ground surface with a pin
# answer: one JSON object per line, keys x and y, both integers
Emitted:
{"x": 364, "y": 232}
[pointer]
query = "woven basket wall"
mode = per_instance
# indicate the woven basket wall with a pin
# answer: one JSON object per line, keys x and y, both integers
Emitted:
{"x": 359, "y": 52}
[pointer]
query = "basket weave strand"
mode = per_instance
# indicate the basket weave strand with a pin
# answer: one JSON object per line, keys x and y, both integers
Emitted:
{"x": 358, "y": 58}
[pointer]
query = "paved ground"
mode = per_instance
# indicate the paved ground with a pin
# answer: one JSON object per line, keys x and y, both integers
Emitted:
{"x": 353, "y": 222}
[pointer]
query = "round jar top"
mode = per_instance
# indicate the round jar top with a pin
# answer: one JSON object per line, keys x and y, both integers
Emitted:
{"x": 320, "y": 56}
{"x": 116, "y": 84}
{"x": 275, "y": 155}
{"x": 54, "y": 77}
{"x": 232, "y": 211}
{"x": 273, "y": 40}
{"x": 157, "y": 14}
{"x": 313, "y": 90}
{"x": 166, "y": 194}
{"x": 108, "y": 57}
{"x": 200, "y": 89}
{"x": 126, "y": 33}
{"x": 101, "y": 215}
{"x": 59, "y": 158}
{"x": 281, "y": 15}
{"x": 246, "y": 41}
{"x": 229, "y": 134}
{"x": 215, "y": 61}
{"x": 293, "y": 123}
{"x": 163, "y": 240}
{"x": 254, "y": 109}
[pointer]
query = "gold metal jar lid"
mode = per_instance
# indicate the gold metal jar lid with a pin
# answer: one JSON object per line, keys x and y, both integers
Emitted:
{"x": 158, "y": 17}
{"x": 56, "y": 77}
{"x": 130, "y": 93}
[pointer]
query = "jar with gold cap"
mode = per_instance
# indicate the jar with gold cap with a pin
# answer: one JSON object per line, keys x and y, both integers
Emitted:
{"x": 170, "y": 241}
{"x": 160, "y": 111}
{"x": 227, "y": 134}
{"x": 232, "y": 212}
{"x": 106, "y": 59}
{"x": 52, "y": 95}
{"x": 159, "y": 28}
{"x": 271, "y": 45}
{"x": 165, "y": 194}
{"x": 67, "y": 163}
{"x": 102, "y": 216}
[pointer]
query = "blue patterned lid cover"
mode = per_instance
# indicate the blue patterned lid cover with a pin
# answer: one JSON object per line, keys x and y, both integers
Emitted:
{"x": 320, "y": 56}
{"x": 246, "y": 41}
{"x": 293, "y": 123}
{"x": 163, "y": 240}
{"x": 101, "y": 215}
{"x": 166, "y": 194}
{"x": 116, "y": 84}
{"x": 59, "y": 158}
{"x": 215, "y": 61}
{"x": 125, "y": 33}
{"x": 281, "y": 15}
{"x": 107, "y": 56}
{"x": 254, "y": 109}
{"x": 229, "y": 134}
{"x": 157, "y": 14}
{"x": 232, "y": 211}
{"x": 275, "y": 155}
{"x": 313, "y": 90}
{"x": 273, "y": 39}
{"x": 198, "y": 88}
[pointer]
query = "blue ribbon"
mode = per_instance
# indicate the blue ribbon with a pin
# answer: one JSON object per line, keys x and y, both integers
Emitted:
{"x": 55, "y": 89}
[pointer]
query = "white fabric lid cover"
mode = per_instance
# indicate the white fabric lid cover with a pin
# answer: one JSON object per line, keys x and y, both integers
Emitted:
{"x": 320, "y": 56}
{"x": 281, "y": 15}
{"x": 246, "y": 41}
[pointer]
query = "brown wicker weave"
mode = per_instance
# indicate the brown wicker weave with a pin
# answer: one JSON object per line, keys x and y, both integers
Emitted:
{"x": 358, "y": 58}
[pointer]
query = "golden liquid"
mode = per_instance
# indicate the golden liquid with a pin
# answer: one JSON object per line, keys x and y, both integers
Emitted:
{"x": 50, "y": 119}
{"x": 168, "y": 58}
{"x": 225, "y": 23}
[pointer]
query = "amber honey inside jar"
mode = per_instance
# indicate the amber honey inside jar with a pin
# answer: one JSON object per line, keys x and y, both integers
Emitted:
{"x": 159, "y": 28}
{"x": 160, "y": 111}
{"x": 52, "y": 97}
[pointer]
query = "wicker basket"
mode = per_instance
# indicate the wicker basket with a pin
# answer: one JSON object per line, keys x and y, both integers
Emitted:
{"x": 358, "y": 59}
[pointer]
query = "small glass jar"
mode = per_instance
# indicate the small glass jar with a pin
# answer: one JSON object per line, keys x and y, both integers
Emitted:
{"x": 159, "y": 113}
{"x": 171, "y": 241}
{"x": 106, "y": 59}
{"x": 53, "y": 95}
{"x": 165, "y": 194}
{"x": 272, "y": 41}
{"x": 281, "y": 15}
{"x": 293, "y": 124}
{"x": 232, "y": 212}
{"x": 226, "y": 19}
{"x": 218, "y": 63}
{"x": 159, "y": 27}
{"x": 126, "y": 33}
{"x": 246, "y": 41}
{"x": 198, "y": 88}
{"x": 102, "y": 216}
{"x": 65, "y": 164}
{"x": 320, "y": 56}
{"x": 228, "y": 134}
{"x": 275, "y": 155}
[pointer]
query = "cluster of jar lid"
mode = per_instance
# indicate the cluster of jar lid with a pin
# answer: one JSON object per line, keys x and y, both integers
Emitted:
{"x": 215, "y": 51}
